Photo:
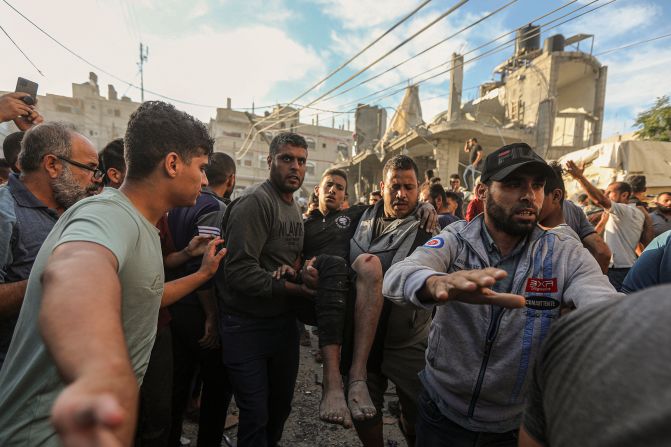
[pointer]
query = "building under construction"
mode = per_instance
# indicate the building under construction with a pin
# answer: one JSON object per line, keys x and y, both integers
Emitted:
{"x": 551, "y": 97}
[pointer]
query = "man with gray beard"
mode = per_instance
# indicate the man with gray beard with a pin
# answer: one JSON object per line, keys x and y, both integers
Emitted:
{"x": 58, "y": 167}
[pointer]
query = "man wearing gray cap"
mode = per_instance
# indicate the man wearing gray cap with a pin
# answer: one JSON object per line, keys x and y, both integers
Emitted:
{"x": 497, "y": 284}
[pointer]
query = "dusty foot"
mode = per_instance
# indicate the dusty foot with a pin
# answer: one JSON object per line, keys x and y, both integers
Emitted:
{"x": 333, "y": 408}
{"x": 359, "y": 402}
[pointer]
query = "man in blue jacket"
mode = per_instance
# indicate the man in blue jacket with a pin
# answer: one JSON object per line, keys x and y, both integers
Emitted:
{"x": 479, "y": 356}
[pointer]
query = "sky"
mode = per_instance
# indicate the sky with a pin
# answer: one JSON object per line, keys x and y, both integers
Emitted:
{"x": 264, "y": 52}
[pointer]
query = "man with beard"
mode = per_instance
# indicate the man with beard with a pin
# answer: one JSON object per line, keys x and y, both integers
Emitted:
{"x": 497, "y": 284}
{"x": 661, "y": 217}
{"x": 349, "y": 298}
{"x": 264, "y": 230}
{"x": 59, "y": 167}
{"x": 389, "y": 232}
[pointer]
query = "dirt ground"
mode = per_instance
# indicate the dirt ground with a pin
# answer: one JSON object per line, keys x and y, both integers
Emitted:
{"x": 304, "y": 429}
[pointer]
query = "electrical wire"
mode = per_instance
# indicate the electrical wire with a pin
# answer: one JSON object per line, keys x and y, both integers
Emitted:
{"x": 351, "y": 103}
{"x": 612, "y": 50}
{"x": 405, "y": 41}
{"x": 365, "y": 81}
{"x": 494, "y": 50}
{"x": 344, "y": 64}
{"x": 22, "y": 52}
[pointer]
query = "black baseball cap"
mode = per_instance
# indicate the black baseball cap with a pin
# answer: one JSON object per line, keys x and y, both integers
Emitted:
{"x": 507, "y": 159}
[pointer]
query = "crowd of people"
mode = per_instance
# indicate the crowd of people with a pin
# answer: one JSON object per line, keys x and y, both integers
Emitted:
{"x": 130, "y": 282}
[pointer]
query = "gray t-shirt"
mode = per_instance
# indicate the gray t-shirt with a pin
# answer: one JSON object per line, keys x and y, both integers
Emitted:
{"x": 602, "y": 377}
{"x": 577, "y": 220}
{"x": 622, "y": 233}
{"x": 29, "y": 380}
{"x": 262, "y": 232}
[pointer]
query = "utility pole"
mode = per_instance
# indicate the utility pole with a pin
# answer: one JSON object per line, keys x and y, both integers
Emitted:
{"x": 144, "y": 54}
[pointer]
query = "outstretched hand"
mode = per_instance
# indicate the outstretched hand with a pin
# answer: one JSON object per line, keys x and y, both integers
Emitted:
{"x": 473, "y": 287}
{"x": 86, "y": 419}
{"x": 212, "y": 257}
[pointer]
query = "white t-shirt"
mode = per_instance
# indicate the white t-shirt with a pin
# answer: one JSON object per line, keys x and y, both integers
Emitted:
{"x": 622, "y": 233}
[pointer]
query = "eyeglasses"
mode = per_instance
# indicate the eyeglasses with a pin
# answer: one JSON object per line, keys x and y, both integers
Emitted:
{"x": 97, "y": 173}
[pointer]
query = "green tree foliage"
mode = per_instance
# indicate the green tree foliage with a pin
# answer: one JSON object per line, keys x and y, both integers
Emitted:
{"x": 655, "y": 123}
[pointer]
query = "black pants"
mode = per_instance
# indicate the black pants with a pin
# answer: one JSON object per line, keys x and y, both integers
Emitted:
{"x": 327, "y": 310}
{"x": 616, "y": 277}
{"x": 261, "y": 356}
{"x": 433, "y": 429}
{"x": 156, "y": 394}
{"x": 187, "y": 328}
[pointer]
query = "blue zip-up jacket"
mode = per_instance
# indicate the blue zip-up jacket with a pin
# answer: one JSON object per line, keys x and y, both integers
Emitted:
{"x": 476, "y": 366}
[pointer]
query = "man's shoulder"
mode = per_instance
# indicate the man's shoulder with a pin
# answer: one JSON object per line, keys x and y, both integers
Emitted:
{"x": 109, "y": 206}
{"x": 7, "y": 205}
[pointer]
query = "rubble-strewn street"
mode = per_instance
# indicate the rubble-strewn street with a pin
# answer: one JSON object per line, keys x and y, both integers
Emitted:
{"x": 304, "y": 429}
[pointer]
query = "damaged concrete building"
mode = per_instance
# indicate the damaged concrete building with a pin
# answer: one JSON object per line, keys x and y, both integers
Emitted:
{"x": 551, "y": 97}
{"x": 230, "y": 129}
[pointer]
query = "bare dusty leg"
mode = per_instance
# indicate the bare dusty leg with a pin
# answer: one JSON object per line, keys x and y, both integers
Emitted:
{"x": 333, "y": 407}
{"x": 366, "y": 315}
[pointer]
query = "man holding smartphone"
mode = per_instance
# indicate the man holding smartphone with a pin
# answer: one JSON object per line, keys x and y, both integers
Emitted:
{"x": 12, "y": 108}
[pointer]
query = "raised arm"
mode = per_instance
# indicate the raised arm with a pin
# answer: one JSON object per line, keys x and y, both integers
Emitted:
{"x": 80, "y": 321}
{"x": 592, "y": 191}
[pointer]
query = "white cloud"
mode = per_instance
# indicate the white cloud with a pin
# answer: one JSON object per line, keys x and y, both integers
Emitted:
{"x": 366, "y": 13}
{"x": 614, "y": 21}
{"x": 205, "y": 66}
{"x": 637, "y": 77}
{"x": 242, "y": 64}
{"x": 200, "y": 9}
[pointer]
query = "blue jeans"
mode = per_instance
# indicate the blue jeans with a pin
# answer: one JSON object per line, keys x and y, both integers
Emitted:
{"x": 435, "y": 430}
{"x": 261, "y": 355}
{"x": 470, "y": 169}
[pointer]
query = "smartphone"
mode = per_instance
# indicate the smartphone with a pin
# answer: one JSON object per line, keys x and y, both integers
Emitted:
{"x": 27, "y": 86}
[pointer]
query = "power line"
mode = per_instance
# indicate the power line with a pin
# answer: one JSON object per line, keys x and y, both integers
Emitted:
{"x": 612, "y": 50}
{"x": 344, "y": 64}
{"x": 346, "y": 105}
{"x": 365, "y": 81}
{"x": 430, "y": 24}
{"x": 494, "y": 50}
{"x": 22, "y": 52}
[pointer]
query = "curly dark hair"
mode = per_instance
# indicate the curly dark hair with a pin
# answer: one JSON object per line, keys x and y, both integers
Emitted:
{"x": 157, "y": 128}
{"x": 286, "y": 138}
{"x": 399, "y": 162}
